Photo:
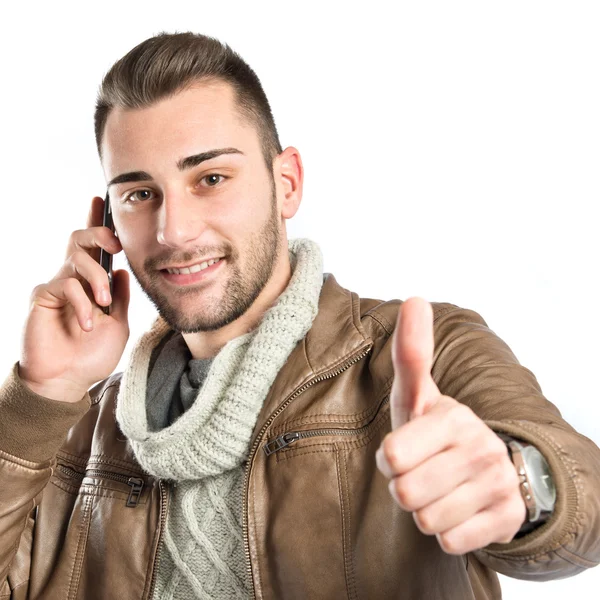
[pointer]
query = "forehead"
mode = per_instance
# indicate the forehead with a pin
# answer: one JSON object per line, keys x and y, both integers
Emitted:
{"x": 197, "y": 119}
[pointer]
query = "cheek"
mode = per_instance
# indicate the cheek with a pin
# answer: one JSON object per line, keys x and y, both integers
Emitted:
{"x": 133, "y": 252}
{"x": 133, "y": 235}
{"x": 238, "y": 223}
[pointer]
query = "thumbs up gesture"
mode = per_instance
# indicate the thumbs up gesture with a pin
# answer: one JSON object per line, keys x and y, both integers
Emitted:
{"x": 444, "y": 463}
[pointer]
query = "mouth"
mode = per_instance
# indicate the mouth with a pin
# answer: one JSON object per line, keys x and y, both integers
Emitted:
{"x": 193, "y": 277}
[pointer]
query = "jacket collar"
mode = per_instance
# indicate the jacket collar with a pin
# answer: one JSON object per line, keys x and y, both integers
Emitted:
{"x": 336, "y": 335}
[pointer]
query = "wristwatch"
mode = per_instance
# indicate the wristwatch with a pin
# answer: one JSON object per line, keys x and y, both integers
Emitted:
{"x": 536, "y": 483}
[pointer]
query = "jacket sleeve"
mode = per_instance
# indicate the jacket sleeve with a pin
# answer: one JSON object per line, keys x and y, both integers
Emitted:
{"x": 474, "y": 366}
{"x": 32, "y": 429}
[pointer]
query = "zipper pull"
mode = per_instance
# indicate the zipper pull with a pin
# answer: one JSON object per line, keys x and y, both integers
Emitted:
{"x": 137, "y": 485}
{"x": 280, "y": 442}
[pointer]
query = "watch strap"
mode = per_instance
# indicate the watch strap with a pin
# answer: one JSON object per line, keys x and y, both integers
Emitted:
{"x": 524, "y": 484}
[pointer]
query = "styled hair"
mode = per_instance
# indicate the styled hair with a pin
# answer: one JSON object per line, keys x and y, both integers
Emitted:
{"x": 168, "y": 63}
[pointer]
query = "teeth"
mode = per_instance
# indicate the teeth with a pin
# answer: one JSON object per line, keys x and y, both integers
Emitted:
{"x": 194, "y": 268}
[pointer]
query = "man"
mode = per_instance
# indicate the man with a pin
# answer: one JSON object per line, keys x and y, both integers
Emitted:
{"x": 274, "y": 435}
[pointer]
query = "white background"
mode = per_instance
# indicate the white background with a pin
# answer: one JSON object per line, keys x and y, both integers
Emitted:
{"x": 451, "y": 151}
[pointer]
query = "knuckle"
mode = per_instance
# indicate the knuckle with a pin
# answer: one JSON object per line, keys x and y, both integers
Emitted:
{"x": 76, "y": 257}
{"x": 404, "y": 493}
{"x": 480, "y": 456}
{"x": 390, "y": 453}
{"x": 449, "y": 543}
{"x": 35, "y": 295}
{"x": 485, "y": 452}
{"x": 74, "y": 235}
{"x": 499, "y": 484}
{"x": 426, "y": 522}
{"x": 506, "y": 539}
{"x": 497, "y": 487}
{"x": 460, "y": 415}
{"x": 75, "y": 239}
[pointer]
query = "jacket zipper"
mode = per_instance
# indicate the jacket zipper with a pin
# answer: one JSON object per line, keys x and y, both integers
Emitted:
{"x": 285, "y": 439}
{"x": 163, "y": 516}
{"x": 136, "y": 483}
{"x": 362, "y": 352}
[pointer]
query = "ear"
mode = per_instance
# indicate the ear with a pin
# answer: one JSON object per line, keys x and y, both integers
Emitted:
{"x": 289, "y": 175}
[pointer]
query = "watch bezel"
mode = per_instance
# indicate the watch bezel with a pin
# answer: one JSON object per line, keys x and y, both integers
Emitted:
{"x": 530, "y": 454}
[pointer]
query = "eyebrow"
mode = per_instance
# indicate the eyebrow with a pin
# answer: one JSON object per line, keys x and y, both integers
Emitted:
{"x": 182, "y": 164}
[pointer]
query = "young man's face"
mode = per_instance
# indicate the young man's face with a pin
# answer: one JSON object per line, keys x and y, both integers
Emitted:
{"x": 223, "y": 207}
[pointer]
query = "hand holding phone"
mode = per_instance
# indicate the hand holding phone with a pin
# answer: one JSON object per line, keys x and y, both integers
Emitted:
{"x": 62, "y": 355}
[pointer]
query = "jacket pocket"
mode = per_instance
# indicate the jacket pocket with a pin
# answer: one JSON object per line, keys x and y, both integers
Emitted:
{"x": 297, "y": 523}
{"x": 289, "y": 437}
{"x": 93, "y": 534}
{"x": 136, "y": 484}
{"x": 307, "y": 538}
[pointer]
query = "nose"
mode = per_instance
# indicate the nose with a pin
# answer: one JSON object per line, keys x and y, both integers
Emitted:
{"x": 179, "y": 221}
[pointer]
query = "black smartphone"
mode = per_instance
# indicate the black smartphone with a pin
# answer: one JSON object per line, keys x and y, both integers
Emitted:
{"x": 106, "y": 257}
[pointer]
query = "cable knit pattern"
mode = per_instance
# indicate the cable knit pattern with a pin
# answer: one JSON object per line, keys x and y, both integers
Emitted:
{"x": 202, "y": 554}
{"x": 206, "y": 448}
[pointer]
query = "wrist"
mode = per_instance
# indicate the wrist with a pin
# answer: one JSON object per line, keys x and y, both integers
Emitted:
{"x": 53, "y": 390}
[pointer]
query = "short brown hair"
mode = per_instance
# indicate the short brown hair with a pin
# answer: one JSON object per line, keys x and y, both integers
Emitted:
{"x": 168, "y": 63}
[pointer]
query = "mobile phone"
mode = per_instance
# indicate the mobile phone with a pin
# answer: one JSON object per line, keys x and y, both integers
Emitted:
{"x": 106, "y": 257}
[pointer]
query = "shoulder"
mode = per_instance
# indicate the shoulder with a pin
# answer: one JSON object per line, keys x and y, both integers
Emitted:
{"x": 378, "y": 319}
{"x": 380, "y": 316}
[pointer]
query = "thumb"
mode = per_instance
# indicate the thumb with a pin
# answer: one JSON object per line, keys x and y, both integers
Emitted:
{"x": 413, "y": 389}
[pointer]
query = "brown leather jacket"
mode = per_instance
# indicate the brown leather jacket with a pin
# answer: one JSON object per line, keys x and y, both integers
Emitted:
{"x": 79, "y": 518}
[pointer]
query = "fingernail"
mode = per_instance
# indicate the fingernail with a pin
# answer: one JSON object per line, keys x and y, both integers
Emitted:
{"x": 105, "y": 296}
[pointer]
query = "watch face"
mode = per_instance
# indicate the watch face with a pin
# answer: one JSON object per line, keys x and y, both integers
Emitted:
{"x": 541, "y": 479}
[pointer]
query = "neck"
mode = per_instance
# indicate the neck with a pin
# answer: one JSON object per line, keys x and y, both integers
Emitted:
{"x": 207, "y": 344}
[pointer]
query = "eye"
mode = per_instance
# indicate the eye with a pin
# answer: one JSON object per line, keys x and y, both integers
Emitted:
{"x": 211, "y": 178}
{"x": 129, "y": 196}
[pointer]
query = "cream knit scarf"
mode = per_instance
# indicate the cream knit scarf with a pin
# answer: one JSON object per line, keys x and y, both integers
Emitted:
{"x": 213, "y": 435}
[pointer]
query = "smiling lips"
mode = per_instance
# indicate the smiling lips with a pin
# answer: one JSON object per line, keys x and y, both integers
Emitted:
{"x": 193, "y": 274}
{"x": 193, "y": 268}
